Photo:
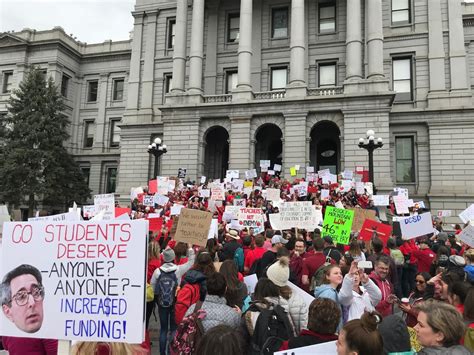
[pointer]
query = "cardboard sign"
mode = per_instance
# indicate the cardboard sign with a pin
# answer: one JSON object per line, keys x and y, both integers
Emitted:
{"x": 401, "y": 204}
{"x": 298, "y": 215}
{"x": 468, "y": 214}
{"x": 217, "y": 194}
{"x": 251, "y": 218}
{"x": 148, "y": 200}
{"x": 360, "y": 215}
{"x": 337, "y": 224}
{"x": 162, "y": 185}
{"x": 467, "y": 236}
{"x": 105, "y": 202}
{"x": 92, "y": 275}
{"x": 273, "y": 194}
{"x": 381, "y": 230}
{"x": 380, "y": 200}
{"x": 193, "y": 227}
{"x": 416, "y": 226}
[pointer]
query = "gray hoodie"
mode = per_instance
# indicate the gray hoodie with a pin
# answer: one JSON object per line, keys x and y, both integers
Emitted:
{"x": 180, "y": 269}
{"x": 438, "y": 350}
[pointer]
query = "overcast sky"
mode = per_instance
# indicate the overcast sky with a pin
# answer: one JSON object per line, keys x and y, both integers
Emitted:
{"x": 91, "y": 21}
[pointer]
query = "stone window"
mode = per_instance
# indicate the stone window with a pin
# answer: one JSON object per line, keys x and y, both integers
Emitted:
{"x": 88, "y": 134}
{"x": 400, "y": 12}
{"x": 64, "y": 85}
{"x": 231, "y": 80}
{"x": 280, "y": 22}
{"x": 92, "y": 87}
{"x": 402, "y": 78}
{"x": 168, "y": 83}
{"x": 86, "y": 172}
{"x": 327, "y": 16}
{"x": 233, "y": 27}
{"x": 327, "y": 74}
{"x": 118, "y": 89}
{"x": 405, "y": 159}
{"x": 7, "y": 81}
{"x": 279, "y": 78}
{"x": 171, "y": 33}
{"x": 110, "y": 179}
{"x": 114, "y": 132}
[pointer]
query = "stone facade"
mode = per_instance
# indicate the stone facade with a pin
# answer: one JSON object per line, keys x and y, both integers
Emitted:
{"x": 196, "y": 65}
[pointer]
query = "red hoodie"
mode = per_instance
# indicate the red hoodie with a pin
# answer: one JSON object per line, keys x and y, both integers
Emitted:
{"x": 385, "y": 286}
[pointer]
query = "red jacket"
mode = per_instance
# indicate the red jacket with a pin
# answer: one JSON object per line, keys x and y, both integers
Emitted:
{"x": 425, "y": 258}
{"x": 386, "y": 287}
{"x": 187, "y": 296}
{"x": 408, "y": 248}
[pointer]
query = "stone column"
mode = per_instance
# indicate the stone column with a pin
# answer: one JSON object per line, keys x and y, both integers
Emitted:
{"x": 375, "y": 39}
{"x": 134, "y": 79}
{"x": 101, "y": 113}
{"x": 457, "y": 53}
{"x": 179, "y": 51}
{"x": 245, "y": 46}
{"x": 196, "y": 51}
{"x": 354, "y": 40}
{"x": 297, "y": 44}
{"x": 239, "y": 150}
{"x": 435, "y": 46}
{"x": 294, "y": 146}
{"x": 149, "y": 63}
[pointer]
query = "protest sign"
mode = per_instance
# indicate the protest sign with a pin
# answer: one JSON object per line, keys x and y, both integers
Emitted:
{"x": 62, "y": 217}
{"x": 275, "y": 222}
{"x": 416, "y": 226}
{"x": 171, "y": 184}
{"x": 371, "y": 228}
{"x": 468, "y": 214}
{"x": 232, "y": 174}
{"x": 231, "y": 212}
{"x": 400, "y": 191}
{"x": 148, "y": 200}
{"x": 251, "y": 174}
{"x": 176, "y": 209}
{"x": 360, "y": 188}
{"x": 152, "y": 186}
{"x": 105, "y": 202}
{"x": 301, "y": 190}
{"x": 277, "y": 167}
{"x": 293, "y": 171}
{"x": 311, "y": 177}
{"x": 360, "y": 215}
{"x": 323, "y": 172}
{"x": 380, "y": 200}
{"x": 237, "y": 184}
{"x": 273, "y": 194}
{"x": 251, "y": 281}
{"x": 271, "y": 172}
{"x": 369, "y": 187}
{"x": 401, "y": 204}
{"x": 92, "y": 276}
{"x": 193, "y": 227}
{"x": 4, "y": 217}
{"x": 327, "y": 348}
{"x": 251, "y": 218}
{"x": 467, "y": 236}
{"x": 160, "y": 200}
{"x": 134, "y": 192}
{"x": 346, "y": 185}
{"x": 337, "y": 224}
{"x": 181, "y": 173}
{"x": 88, "y": 211}
{"x": 204, "y": 193}
{"x": 347, "y": 174}
{"x": 162, "y": 185}
{"x": 298, "y": 215}
{"x": 324, "y": 194}
{"x": 121, "y": 211}
{"x": 310, "y": 169}
{"x": 217, "y": 193}
{"x": 213, "y": 229}
{"x": 339, "y": 204}
{"x": 241, "y": 202}
{"x": 444, "y": 213}
{"x": 248, "y": 185}
{"x": 265, "y": 163}
{"x": 203, "y": 180}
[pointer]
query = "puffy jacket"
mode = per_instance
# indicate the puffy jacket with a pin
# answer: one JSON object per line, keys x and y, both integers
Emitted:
{"x": 326, "y": 291}
{"x": 193, "y": 289}
{"x": 359, "y": 303}
{"x": 469, "y": 269}
{"x": 298, "y": 310}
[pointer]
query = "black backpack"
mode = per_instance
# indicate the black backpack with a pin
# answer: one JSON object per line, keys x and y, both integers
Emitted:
{"x": 273, "y": 327}
{"x": 165, "y": 288}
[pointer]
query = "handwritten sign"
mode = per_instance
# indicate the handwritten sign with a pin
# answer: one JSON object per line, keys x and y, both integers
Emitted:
{"x": 162, "y": 185}
{"x": 105, "y": 202}
{"x": 298, "y": 215}
{"x": 92, "y": 275}
{"x": 467, "y": 214}
{"x": 251, "y": 218}
{"x": 193, "y": 226}
{"x": 241, "y": 202}
{"x": 148, "y": 200}
{"x": 62, "y": 217}
{"x": 401, "y": 204}
{"x": 467, "y": 236}
{"x": 88, "y": 211}
{"x": 160, "y": 200}
{"x": 380, "y": 200}
{"x": 273, "y": 194}
{"x": 217, "y": 194}
{"x": 360, "y": 215}
{"x": 416, "y": 226}
{"x": 337, "y": 224}
{"x": 265, "y": 163}
{"x": 232, "y": 174}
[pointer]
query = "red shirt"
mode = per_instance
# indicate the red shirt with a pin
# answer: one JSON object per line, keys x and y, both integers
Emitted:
{"x": 253, "y": 255}
{"x": 313, "y": 263}
{"x": 425, "y": 258}
{"x": 30, "y": 346}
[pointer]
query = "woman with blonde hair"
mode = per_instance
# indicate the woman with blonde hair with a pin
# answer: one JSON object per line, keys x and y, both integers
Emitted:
{"x": 107, "y": 348}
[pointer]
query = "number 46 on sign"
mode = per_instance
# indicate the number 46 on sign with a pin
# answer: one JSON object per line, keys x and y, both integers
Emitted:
{"x": 337, "y": 224}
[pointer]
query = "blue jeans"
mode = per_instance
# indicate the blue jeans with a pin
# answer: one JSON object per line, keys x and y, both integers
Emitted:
{"x": 167, "y": 323}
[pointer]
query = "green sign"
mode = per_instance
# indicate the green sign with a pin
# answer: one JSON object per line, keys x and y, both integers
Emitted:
{"x": 337, "y": 224}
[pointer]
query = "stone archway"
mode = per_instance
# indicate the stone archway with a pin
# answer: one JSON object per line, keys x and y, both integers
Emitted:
{"x": 268, "y": 144}
{"x": 325, "y": 146}
{"x": 216, "y": 152}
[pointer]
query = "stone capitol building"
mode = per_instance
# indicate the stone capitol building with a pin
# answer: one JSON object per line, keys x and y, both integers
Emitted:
{"x": 227, "y": 83}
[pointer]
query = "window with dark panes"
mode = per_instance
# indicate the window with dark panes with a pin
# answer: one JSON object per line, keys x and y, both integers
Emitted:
{"x": 279, "y": 78}
{"x": 327, "y": 74}
{"x": 7, "y": 82}
{"x": 233, "y": 27}
{"x": 402, "y": 78}
{"x": 111, "y": 180}
{"x": 88, "y": 134}
{"x": 114, "y": 133}
{"x": 64, "y": 85}
{"x": 86, "y": 171}
{"x": 400, "y": 12}
{"x": 231, "y": 80}
{"x": 92, "y": 90}
{"x": 168, "y": 83}
{"x": 327, "y": 16}
{"x": 405, "y": 159}
{"x": 171, "y": 33}
{"x": 118, "y": 89}
{"x": 280, "y": 22}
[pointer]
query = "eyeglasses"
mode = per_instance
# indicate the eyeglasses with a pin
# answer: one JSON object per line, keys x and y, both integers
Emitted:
{"x": 21, "y": 297}
{"x": 420, "y": 282}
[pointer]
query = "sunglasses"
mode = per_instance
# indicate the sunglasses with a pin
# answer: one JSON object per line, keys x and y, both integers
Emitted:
{"x": 420, "y": 282}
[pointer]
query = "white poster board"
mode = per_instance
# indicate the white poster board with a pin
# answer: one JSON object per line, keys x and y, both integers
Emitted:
{"x": 92, "y": 275}
{"x": 467, "y": 235}
{"x": 62, "y": 217}
{"x": 416, "y": 226}
{"x": 148, "y": 200}
{"x": 401, "y": 204}
{"x": 298, "y": 215}
{"x": 467, "y": 214}
{"x": 380, "y": 200}
{"x": 105, "y": 202}
{"x": 328, "y": 348}
{"x": 273, "y": 194}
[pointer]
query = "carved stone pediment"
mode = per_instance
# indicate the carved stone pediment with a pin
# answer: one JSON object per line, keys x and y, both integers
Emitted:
{"x": 7, "y": 39}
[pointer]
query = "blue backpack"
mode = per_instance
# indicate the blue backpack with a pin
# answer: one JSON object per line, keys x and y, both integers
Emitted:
{"x": 165, "y": 288}
{"x": 239, "y": 259}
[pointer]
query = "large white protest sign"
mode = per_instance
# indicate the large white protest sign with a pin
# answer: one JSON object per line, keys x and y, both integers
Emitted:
{"x": 416, "y": 226}
{"x": 251, "y": 218}
{"x": 213, "y": 229}
{"x": 360, "y": 188}
{"x": 204, "y": 193}
{"x": 251, "y": 281}
{"x": 401, "y": 204}
{"x": 62, "y": 217}
{"x": 380, "y": 200}
{"x": 467, "y": 236}
{"x": 467, "y": 214}
{"x": 231, "y": 212}
{"x": 232, "y": 174}
{"x": 347, "y": 174}
{"x": 277, "y": 167}
{"x": 105, "y": 202}
{"x": 265, "y": 163}
{"x": 251, "y": 174}
{"x": 91, "y": 286}
{"x": 328, "y": 348}
{"x": 298, "y": 215}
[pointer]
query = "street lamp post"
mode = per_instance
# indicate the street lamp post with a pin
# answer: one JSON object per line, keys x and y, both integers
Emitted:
{"x": 370, "y": 145}
{"x": 157, "y": 148}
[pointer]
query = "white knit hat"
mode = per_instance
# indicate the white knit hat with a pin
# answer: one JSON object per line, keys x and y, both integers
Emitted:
{"x": 279, "y": 272}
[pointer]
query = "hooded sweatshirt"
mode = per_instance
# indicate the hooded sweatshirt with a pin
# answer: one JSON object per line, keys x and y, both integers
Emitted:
{"x": 193, "y": 289}
{"x": 327, "y": 291}
{"x": 469, "y": 269}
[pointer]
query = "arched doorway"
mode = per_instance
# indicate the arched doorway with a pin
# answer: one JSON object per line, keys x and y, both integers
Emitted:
{"x": 325, "y": 147}
{"x": 216, "y": 156}
{"x": 268, "y": 145}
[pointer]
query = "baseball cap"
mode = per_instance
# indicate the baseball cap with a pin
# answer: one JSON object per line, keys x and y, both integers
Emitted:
{"x": 278, "y": 239}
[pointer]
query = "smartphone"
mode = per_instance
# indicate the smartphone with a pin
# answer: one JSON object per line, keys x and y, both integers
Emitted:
{"x": 364, "y": 264}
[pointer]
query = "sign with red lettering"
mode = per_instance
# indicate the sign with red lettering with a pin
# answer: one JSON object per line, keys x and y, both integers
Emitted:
{"x": 74, "y": 280}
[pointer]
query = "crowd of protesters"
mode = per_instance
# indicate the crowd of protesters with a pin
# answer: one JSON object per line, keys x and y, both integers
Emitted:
{"x": 416, "y": 296}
